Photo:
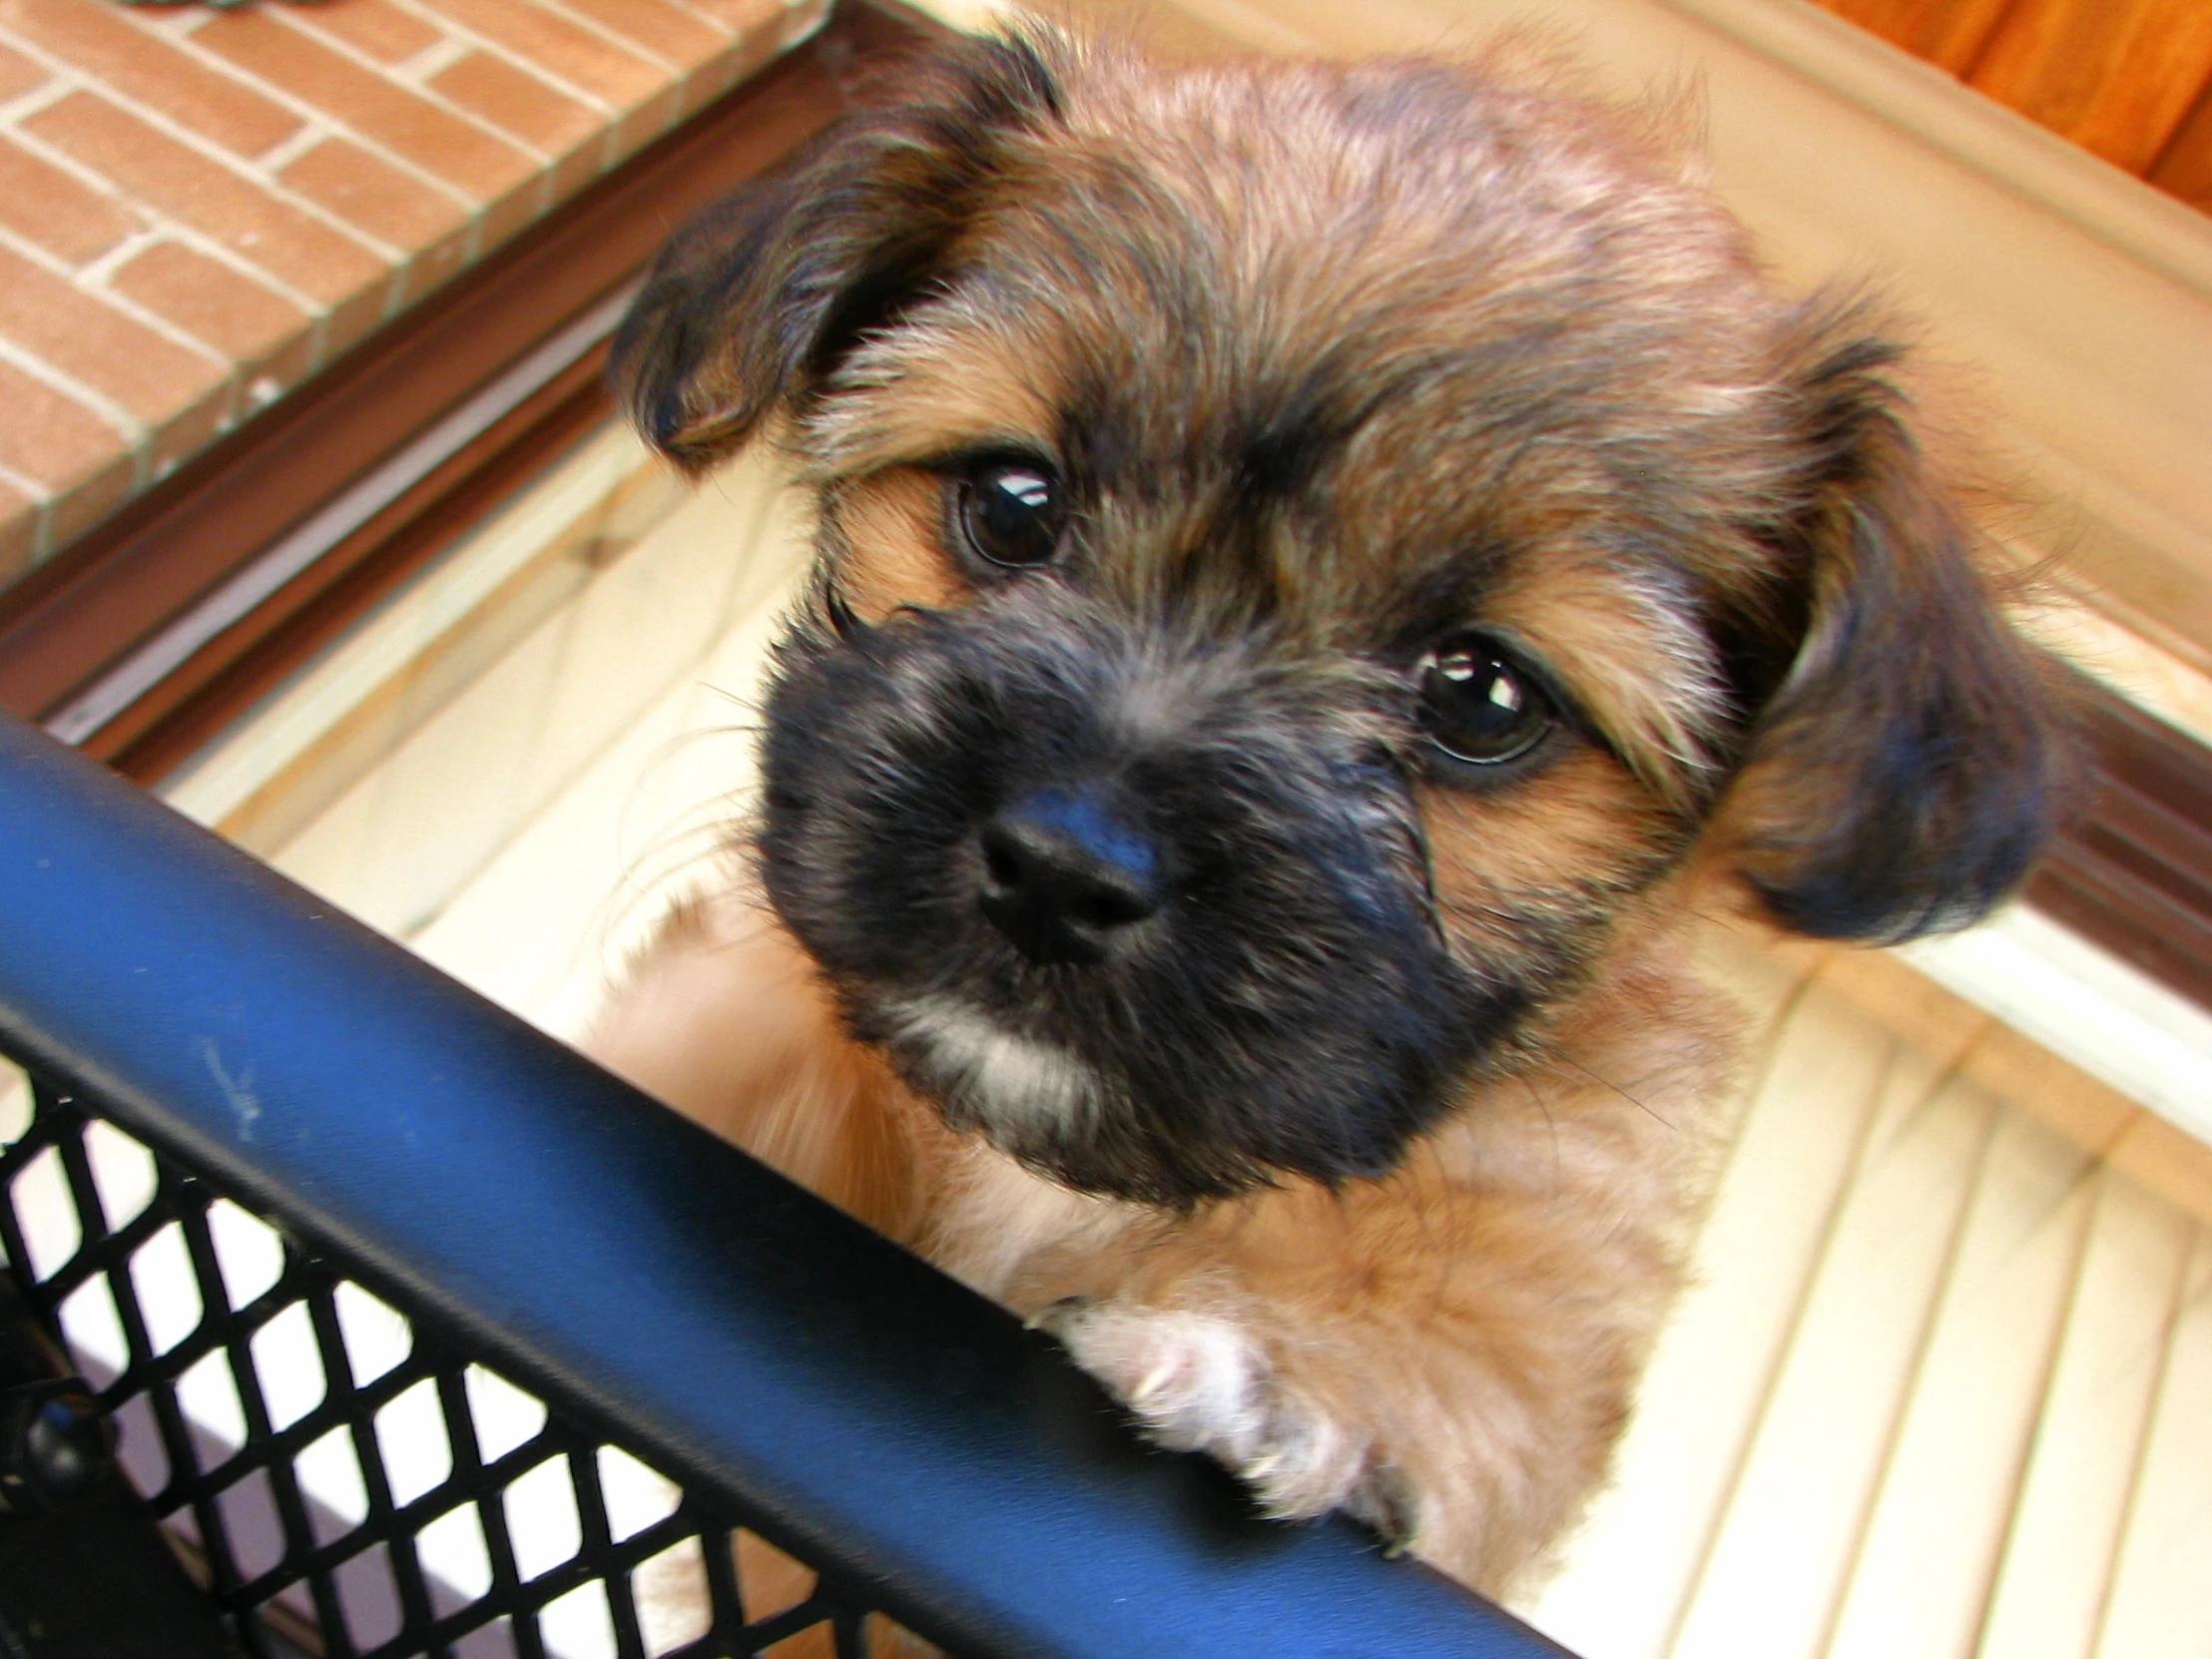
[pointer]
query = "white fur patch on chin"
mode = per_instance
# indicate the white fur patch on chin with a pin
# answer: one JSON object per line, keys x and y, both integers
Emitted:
{"x": 1012, "y": 1083}
{"x": 1203, "y": 1382}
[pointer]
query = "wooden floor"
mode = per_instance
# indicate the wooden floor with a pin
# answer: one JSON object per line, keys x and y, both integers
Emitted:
{"x": 1944, "y": 1388}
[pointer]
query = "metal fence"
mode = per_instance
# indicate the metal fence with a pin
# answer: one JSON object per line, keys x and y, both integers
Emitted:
{"x": 427, "y": 1337}
{"x": 345, "y": 1479}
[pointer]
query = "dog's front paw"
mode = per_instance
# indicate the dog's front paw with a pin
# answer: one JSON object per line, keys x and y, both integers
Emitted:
{"x": 1205, "y": 1382}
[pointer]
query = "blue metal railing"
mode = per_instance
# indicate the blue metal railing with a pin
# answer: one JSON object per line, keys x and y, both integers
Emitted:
{"x": 881, "y": 1422}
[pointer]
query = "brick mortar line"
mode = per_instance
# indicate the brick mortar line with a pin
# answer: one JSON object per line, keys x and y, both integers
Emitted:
{"x": 156, "y": 225}
{"x": 507, "y": 54}
{"x": 275, "y": 189}
{"x": 405, "y": 292}
{"x": 47, "y": 92}
{"x": 207, "y": 148}
{"x": 331, "y": 122}
{"x": 546, "y": 201}
{"x": 11, "y": 122}
{"x": 183, "y": 41}
{"x": 314, "y": 127}
{"x": 288, "y": 17}
{"x": 91, "y": 281}
{"x": 610, "y": 137}
{"x": 618, "y": 141}
{"x": 96, "y": 272}
{"x": 157, "y": 228}
{"x": 638, "y": 48}
{"x": 198, "y": 241}
{"x": 40, "y": 494}
{"x": 623, "y": 140}
{"x": 609, "y": 145}
{"x": 815, "y": 14}
{"x": 405, "y": 268}
{"x": 47, "y": 260}
{"x": 418, "y": 68}
{"x": 457, "y": 39}
{"x": 173, "y": 20}
{"x": 133, "y": 433}
{"x": 186, "y": 233}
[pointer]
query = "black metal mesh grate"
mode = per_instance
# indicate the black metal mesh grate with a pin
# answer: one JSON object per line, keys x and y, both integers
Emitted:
{"x": 343, "y": 1477}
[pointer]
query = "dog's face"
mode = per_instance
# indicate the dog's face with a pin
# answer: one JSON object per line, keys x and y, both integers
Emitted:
{"x": 1310, "y": 557}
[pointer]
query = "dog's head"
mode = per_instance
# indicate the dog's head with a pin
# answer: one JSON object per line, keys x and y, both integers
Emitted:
{"x": 1309, "y": 556}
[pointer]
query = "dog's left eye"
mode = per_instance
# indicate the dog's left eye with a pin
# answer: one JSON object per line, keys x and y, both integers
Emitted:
{"x": 1479, "y": 705}
{"x": 1010, "y": 513}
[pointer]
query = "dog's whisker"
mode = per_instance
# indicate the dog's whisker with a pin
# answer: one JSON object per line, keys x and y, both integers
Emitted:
{"x": 1605, "y": 1082}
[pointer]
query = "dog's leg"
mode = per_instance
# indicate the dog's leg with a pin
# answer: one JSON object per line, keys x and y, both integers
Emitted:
{"x": 723, "y": 1018}
{"x": 1449, "y": 1354}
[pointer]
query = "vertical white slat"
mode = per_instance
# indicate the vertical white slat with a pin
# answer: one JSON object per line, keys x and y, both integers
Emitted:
{"x": 1627, "y": 1572}
{"x": 398, "y": 839}
{"x": 1931, "y": 1546}
{"x": 2160, "y": 1605}
{"x": 328, "y": 723}
{"x": 2058, "y": 1566}
{"x": 643, "y": 818}
{"x": 416, "y": 828}
{"x": 643, "y": 626}
{"x": 1770, "y": 1583}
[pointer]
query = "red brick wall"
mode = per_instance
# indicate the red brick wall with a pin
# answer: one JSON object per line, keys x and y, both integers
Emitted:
{"x": 198, "y": 208}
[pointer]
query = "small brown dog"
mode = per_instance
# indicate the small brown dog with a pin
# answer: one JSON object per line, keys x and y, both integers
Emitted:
{"x": 1323, "y": 570}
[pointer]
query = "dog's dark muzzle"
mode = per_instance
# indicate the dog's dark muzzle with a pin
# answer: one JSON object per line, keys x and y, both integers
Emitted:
{"x": 1150, "y": 914}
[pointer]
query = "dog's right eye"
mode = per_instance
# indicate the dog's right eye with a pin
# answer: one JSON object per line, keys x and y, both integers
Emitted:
{"x": 1010, "y": 513}
{"x": 1479, "y": 704}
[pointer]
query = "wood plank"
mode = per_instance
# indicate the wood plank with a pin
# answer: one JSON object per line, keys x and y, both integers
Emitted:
{"x": 645, "y": 813}
{"x": 2184, "y": 167}
{"x": 2161, "y": 1600}
{"x": 647, "y": 817}
{"x": 268, "y": 776}
{"x": 1761, "y": 973}
{"x": 1778, "y": 1563}
{"x": 1814, "y": 1101}
{"x": 2058, "y": 1558}
{"x": 1949, "y": 33}
{"x": 2168, "y": 1162}
{"x": 397, "y": 846}
{"x": 1931, "y": 1543}
{"x": 1907, "y": 1003}
{"x": 2115, "y": 76}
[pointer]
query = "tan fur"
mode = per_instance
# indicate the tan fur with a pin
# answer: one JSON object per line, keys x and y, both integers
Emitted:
{"x": 1335, "y": 362}
{"x": 895, "y": 547}
{"x": 723, "y": 1017}
{"x": 1543, "y": 1229}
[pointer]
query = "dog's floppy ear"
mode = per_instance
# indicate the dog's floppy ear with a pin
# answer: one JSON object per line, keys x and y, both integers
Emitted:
{"x": 756, "y": 296}
{"x": 1912, "y": 762}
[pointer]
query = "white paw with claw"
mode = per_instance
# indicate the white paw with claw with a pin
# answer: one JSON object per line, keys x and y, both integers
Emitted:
{"x": 1203, "y": 1382}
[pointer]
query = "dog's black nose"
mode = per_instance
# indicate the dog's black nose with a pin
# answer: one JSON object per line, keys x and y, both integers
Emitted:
{"x": 1066, "y": 875}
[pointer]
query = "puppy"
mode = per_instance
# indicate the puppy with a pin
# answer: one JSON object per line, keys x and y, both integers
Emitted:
{"x": 1324, "y": 571}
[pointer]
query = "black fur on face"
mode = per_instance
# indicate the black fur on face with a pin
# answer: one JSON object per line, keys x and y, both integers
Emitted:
{"x": 1289, "y": 1007}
